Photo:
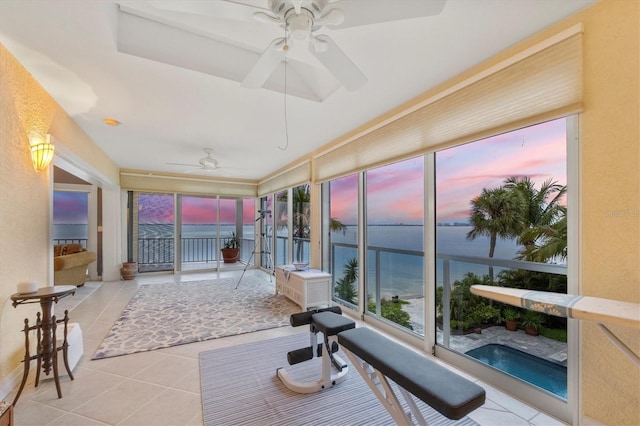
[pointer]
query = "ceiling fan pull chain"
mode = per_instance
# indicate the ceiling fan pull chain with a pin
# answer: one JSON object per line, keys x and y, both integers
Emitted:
{"x": 286, "y": 126}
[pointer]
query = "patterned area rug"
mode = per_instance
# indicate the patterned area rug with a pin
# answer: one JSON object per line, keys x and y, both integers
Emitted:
{"x": 164, "y": 315}
{"x": 240, "y": 387}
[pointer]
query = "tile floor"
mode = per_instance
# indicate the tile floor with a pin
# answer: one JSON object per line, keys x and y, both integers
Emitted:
{"x": 163, "y": 387}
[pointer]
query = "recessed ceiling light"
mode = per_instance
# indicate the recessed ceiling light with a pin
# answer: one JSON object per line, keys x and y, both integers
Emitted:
{"x": 111, "y": 122}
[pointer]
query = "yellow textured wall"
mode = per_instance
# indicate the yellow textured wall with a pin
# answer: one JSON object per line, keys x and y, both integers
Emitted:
{"x": 26, "y": 109}
{"x": 24, "y": 202}
{"x": 610, "y": 203}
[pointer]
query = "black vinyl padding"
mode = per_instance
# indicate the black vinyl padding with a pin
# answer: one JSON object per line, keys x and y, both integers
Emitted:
{"x": 330, "y": 323}
{"x": 447, "y": 392}
{"x": 304, "y": 318}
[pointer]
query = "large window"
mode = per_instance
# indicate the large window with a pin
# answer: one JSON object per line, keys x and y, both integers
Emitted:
{"x": 394, "y": 279}
{"x": 342, "y": 243}
{"x": 502, "y": 220}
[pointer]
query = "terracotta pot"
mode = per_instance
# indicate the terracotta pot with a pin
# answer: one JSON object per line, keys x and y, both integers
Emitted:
{"x": 230, "y": 255}
{"x": 532, "y": 331}
{"x": 511, "y": 325}
{"x": 129, "y": 270}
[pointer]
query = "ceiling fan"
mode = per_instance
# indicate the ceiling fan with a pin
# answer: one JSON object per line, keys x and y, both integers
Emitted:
{"x": 301, "y": 21}
{"x": 206, "y": 163}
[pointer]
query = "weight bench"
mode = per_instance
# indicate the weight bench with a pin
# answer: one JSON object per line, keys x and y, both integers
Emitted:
{"x": 377, "y": 358}
{"x": 329, "y": 322}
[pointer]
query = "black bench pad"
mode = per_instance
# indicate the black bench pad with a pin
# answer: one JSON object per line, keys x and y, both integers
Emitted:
{"x": 444, "y": 390}
{"x": 330, "y": 323}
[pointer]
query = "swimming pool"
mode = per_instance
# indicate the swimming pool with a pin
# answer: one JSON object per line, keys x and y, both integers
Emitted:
{"x": 537, "y": 371}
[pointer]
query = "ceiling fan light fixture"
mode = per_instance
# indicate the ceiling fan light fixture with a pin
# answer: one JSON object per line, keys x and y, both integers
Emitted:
{"x": 299, "y": 26}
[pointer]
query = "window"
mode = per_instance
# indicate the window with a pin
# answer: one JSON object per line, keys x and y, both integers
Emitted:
{"x": 394, "y": 279}
{"x": 342, "y": 243}
{"x": 501, "y": 217}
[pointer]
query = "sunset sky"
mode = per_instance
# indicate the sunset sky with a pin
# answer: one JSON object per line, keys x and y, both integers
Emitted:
{"x": 538, "y": 152}
{"x": 395, "y": 192}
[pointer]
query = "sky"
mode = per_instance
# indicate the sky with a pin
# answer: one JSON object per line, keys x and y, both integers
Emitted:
{"x": 395, "y": 191}
{"x": 70, "y": 207}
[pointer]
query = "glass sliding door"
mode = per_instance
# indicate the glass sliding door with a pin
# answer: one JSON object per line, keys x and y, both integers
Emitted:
{"x": 394, "y": 282}
{"x": 198, "y": 232}
{"x": 154, "y": 229}
{"x": 501, "y": 217}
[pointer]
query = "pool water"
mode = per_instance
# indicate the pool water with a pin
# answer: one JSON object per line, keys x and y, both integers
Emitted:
{"x": 540, "y": 372}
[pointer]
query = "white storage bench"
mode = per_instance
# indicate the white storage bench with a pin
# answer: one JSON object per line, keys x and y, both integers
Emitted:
{"x": 76, "y": 347}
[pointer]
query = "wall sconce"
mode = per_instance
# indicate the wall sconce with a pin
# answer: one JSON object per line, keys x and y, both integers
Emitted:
{"x": 42, "y": 154}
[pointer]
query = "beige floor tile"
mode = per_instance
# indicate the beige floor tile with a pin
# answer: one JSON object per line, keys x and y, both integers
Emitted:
{"x": 172, "y": 407}
{"x": 71, "y": 419}
{"x": 34, "y": 413}
{"x": 127, "y": 365}
{"x": 168, "y": 370}
{"x": 117, "y": 403}
{"x": 190, "y": 382}
{"x": 77, "y": 392}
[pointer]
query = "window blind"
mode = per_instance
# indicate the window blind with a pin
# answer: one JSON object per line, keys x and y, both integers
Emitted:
{"x": 541, "y": 83}
{"x": 140, "y": 181}
{"x": 293, "y": 176}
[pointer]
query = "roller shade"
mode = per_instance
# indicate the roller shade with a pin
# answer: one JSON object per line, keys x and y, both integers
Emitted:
{"x": 140, "y": 181}
{"x": 294, "y": 176}
{"x": 541, "y": 83}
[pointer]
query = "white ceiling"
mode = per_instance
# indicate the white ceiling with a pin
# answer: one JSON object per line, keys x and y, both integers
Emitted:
{"x": 169, "y": 113}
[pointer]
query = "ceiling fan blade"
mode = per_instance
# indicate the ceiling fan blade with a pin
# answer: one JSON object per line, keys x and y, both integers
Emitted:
{"x": 184, "y": 164}
{"x": 365, "y": 12}
{"x": 218, "y": 9}
{"x": 338, "y": 64}
{"x": 266, "y": 65}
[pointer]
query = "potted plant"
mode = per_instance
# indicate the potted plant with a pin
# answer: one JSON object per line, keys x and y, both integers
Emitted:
{"x": 510, "y": 317}
{"x": 532, "y": 322}
{"x": 231, "y": 249}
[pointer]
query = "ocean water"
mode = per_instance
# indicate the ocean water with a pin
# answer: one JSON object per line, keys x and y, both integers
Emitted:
{"x": 395, "y": 251}
{"x": 401, "y": 273}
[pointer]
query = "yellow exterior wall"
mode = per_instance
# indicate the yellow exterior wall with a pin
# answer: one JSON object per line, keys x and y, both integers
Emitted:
{"x": 26, "y": 109}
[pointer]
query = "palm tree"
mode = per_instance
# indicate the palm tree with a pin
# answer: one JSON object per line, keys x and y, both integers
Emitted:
{"x": 301, "y": 198}
{"x": 550, "y": 241}
{"x": 542, "y": 211}
{"x": 496, "y": 212}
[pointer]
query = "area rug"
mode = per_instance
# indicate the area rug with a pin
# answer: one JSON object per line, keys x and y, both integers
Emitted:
{"x": 164, "y": 315}
{"x": 240, "y": 387}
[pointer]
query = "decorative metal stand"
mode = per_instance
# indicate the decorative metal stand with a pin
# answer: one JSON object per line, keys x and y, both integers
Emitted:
{"x": 260, "y": 243}
{"x": 53, "y": 360}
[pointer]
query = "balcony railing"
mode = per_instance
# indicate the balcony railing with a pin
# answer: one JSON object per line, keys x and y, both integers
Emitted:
{"x": 81, "y": 241}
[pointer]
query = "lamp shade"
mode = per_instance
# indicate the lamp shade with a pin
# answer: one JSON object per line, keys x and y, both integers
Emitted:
{"x": 42, "y": 154}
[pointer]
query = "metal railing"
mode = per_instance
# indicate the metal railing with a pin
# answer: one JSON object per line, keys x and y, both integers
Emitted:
{"x": 81, "y": 241}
